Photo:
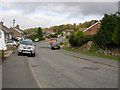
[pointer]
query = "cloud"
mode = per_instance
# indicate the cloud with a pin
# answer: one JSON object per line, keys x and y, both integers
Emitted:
{"x": 44, "y": 14}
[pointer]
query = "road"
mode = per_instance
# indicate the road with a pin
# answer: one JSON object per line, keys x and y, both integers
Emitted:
{"x": 59, "y": 69}
{"x": 0, "y": 76}
{"x": 16, "y": 73}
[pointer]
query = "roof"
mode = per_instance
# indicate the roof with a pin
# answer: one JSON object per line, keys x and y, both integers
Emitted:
{"x": 17, "y": 30}
{"x": 91, "y": 26}
{"x": 4, "y": 28}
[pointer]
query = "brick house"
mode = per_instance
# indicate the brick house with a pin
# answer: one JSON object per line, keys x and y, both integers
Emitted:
{"x": 17, "y": 33}
{"x": 7, "y": 33}
{"x": 92, "y": 29}
{"x": 48, "y": 32}
{"x": 69, "y": 32}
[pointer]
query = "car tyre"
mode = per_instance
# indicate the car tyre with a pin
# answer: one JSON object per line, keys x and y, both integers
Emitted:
{"x": 19, "y": 54}
{"x": 52, "y": 49}
{"x": 33, "y": 55}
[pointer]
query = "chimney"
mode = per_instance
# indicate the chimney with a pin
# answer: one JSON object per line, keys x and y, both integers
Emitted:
{"x": 13, "y": 23}
{"x": 1, "y": 24}
{"x": 17, "y": 26}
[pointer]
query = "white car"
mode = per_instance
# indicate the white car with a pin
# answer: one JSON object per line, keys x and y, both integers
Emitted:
{"x": 11, "y": 43}
{"x": 26, "y": 47}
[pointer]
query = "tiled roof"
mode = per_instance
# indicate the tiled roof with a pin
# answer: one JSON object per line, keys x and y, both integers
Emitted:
{"x": 91, "y": 26}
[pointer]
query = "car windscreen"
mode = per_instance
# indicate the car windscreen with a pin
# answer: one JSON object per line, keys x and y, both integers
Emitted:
{"x": 9, "y": 42}
{"x": 55, "y": 43}
{"x": 52, "y": 39}
{"x": 27, "y": 42}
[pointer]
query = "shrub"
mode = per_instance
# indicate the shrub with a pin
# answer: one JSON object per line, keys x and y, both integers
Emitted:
{"x": 72, "y": 41}
{"x": 79, "y": 38}
{"x": 116, "y": 35}
{"x": 107, "y": 36}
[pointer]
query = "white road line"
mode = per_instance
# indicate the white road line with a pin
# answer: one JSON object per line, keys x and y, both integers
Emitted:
{"x": 39, "y": 84}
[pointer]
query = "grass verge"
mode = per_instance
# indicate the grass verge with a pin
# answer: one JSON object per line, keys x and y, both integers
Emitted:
{"x": 92, "y": 54}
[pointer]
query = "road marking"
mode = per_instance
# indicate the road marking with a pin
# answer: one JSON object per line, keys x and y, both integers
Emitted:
{"x": 39, "y": 84}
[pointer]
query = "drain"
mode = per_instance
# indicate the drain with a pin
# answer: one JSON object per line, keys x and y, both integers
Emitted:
{"x": 90, "y": 68}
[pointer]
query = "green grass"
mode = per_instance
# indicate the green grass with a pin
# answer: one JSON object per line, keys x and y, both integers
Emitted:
{"x": 92, "y": 54}
{"x": 65, "y": 43}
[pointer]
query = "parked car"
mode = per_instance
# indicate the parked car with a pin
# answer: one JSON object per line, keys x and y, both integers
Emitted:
{"x": 36, "y": 40}
{"x": 55, "y": 45}
{"x": 53, "y": 40}
{"x": 26, "y": 47}
{"x": 18, "y": 43}
{"x": 11, "y": 43}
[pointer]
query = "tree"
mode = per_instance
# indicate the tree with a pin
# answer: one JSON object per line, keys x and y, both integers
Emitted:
{"x": 75, "y": 27}
{"x": 39, "y": 33}
{"x": 104, "y": 36}
{"x": 116, "y": 35}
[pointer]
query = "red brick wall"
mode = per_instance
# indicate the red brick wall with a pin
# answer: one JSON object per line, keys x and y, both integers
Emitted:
{"x": 93, "y": 29}
{"x": 16, "y": 34}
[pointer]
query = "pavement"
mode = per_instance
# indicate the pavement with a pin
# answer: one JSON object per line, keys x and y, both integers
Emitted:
{"x": 93, "y": 59}
{"x": 7, "y": 53}
{"x": 0, "y": 76}
{"x": 17, "y": 73}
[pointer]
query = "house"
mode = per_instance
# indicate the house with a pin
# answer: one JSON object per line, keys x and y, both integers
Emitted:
{"x": 48, "y": 32}
{"x": 69, "y": 32}
{"x": 7, "y": 33}
{"x": 2, "y": 41}
{"x": 17, "y": 33}
{"x": 92, "y": 29}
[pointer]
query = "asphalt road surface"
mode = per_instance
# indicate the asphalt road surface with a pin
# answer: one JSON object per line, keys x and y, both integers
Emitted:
{"x": 0, "y": 76}
{"x": 61, "y": 69}
{"x": 16, "y": 73}
{"x": 58, "y": 69}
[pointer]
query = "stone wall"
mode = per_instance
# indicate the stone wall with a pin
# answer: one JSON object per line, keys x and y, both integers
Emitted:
{"x": 110, "y": 52}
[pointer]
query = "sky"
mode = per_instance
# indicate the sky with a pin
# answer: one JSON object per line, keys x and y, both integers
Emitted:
{"x": 47, "y": 14}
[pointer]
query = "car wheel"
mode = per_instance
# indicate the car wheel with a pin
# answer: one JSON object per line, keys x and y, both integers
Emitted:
{"x": 19, "y": 54}
{"x": 33, "y": 55}
{"x": 52, "y": 49}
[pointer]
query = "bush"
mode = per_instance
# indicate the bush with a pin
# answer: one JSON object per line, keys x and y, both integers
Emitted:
{"x": 116, "y": 35}
{"x": 72, "y": 41}
{"x": 32, "y": 37}
{"x": 79, "y": 38}
{"x": 106, "y": 36}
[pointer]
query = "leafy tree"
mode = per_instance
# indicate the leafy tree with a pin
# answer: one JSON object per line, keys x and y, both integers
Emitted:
{"x": 116, "y": 35}
{"x": 72, "y": 41}
{"x": 87, "y": 24}
{"x": 39, "y": 33}
{"x": 76, "y": 38}
{"x": 79, "y": 38}
{"x": 103, "y": 38}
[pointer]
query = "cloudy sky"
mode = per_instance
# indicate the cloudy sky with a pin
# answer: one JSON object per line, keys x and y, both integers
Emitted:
{"x": 46, "y": 14}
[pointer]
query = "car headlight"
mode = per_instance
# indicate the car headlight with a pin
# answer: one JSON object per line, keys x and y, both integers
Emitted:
{"x": 32, "y": 48}
{"x": 20, "y": 47}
